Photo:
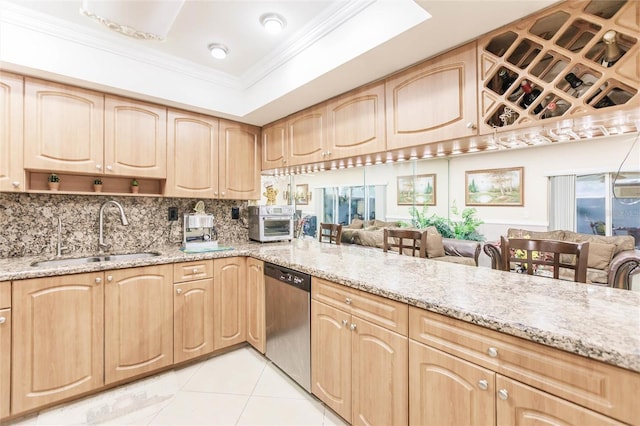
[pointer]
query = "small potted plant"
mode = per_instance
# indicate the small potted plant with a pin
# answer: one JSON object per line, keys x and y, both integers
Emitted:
{"x": 97, "y": 185}
{"x": 135, "y": 186}
{"x": 54, "y": 182}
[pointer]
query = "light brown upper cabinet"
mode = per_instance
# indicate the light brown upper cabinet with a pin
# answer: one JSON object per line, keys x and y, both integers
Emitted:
{"x": 239, "y": 165}
{"x": 192, "y": 160}
{"x": 11, "y": 171}
{"x": 306, "y": 136}
{"x": 64, "y": 128}
{"x": 433, "y": 101}
{"x": 356, "y": 122}
{"x": 135, "y": 138}
{"x": 274, "y": 145}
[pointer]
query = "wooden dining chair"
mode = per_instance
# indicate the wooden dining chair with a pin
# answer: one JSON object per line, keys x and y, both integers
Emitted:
{"x": 536, "y": 257}
{"x": 330, "y": 233}
{"x": 405, "y": 241}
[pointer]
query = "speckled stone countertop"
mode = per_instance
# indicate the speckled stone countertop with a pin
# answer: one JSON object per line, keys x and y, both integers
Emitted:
{"x": 595, "y": 322}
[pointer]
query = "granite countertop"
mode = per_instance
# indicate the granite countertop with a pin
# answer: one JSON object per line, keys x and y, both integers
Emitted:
{"x": 596, "y": 322}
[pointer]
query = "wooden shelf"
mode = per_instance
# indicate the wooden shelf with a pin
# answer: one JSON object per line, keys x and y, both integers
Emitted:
{"x": 543, "y": 49}
{"x": 37, "y": 182}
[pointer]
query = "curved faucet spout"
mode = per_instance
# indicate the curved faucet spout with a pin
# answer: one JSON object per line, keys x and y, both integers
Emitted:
{"x": 123, "y": 218}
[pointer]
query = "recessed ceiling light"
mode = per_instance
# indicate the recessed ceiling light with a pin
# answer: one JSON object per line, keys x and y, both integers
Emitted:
{"x": 272, "y": 23}
{"x": 218, "y": 51}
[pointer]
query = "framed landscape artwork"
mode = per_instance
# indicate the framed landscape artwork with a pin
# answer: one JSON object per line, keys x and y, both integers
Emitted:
{"x": 495, "y": 187}
{"x": 419, "y": 189}
{"x": 302, "y": 194}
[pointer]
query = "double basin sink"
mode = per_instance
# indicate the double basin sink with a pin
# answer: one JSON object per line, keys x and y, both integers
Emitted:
{"x": 94, "y": 259}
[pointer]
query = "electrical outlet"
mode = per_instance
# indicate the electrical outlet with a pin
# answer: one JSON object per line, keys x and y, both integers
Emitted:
{"x": 235, "y": 212}
{"x": 173, "y": 214}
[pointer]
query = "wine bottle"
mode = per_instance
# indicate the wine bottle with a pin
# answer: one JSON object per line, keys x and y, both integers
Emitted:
{"x": 556, "y": 108}
{"x": 506, "y": 80}
{"x": 579, "y": 87}
{"x": 612, "y": 50}
{"x": 530, "y": 95}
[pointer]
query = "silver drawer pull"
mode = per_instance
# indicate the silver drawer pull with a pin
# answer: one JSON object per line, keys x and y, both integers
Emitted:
{"x": 352, "y": 327}
{"x": 345, "y": 322}
{"x": 3, "y": 320}
{"x": 109, "y": 278}
{"x": 503, "y": 394}
{"x": 98, "y": 280}
{"x": 179, "y": 290}
{"x": 493, "y": 352}
{"x": 483, "y": 384}
{"x": 347, "y": 301}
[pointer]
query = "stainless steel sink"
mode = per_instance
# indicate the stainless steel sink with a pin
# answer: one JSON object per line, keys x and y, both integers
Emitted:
{"x": 93, "y": 259}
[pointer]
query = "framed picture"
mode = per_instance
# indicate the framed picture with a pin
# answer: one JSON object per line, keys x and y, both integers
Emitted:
{"x": 495, "y": 187}
{"x": 418, "y": 189}
{"x": 302, "y": 194}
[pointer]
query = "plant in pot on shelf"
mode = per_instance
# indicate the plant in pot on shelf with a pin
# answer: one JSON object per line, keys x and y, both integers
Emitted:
{"x": 97, "y": 185}
{"x": 54, "y": 182}
{"x": 135, "y": 186}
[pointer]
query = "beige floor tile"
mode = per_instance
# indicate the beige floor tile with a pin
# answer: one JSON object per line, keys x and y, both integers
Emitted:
{"x": 235, "y": 372}
{"x": 197, "y": 408}
{"x": 332, "y": 419}
{"x": 274, "y": 383}
{"x": 281, "y": 412}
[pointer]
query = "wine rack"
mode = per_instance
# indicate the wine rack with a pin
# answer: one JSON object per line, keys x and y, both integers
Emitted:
{"x": 543, "y": 49}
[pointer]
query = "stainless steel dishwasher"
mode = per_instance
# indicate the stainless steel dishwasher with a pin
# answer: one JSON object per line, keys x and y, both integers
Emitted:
{"x": 288, "y": 317}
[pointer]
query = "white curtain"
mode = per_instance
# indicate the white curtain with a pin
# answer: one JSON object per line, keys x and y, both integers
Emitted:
{"x": 562, "y": 202}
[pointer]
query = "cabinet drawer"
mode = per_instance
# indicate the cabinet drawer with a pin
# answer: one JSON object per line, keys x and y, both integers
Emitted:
{"x": 386, "y": 313}
{"x": 601, "y": 387}
{"x": 5, "y": 294}
{"x": 195, "y": 270}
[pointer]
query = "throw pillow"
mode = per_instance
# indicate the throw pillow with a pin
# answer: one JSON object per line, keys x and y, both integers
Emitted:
{"x": 356, "y": 224}
{"x": 600, "y": 255}
{"x": 435, "y": 248}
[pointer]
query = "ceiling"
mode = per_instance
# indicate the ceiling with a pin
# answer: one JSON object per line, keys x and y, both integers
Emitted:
{"x": 327, "y": 47}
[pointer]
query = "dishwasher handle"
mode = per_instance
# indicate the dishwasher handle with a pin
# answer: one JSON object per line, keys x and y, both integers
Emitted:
{"x": 288, "y": 276}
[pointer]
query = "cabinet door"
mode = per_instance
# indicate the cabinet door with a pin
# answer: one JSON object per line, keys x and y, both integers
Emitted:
{"x": 239, "y": 166}
{"x": 135, "y": 138}
{"x": 444, "y": 389}
{"x": 433, "y": 101}
{"x": 274, "y": 145}
{"x": 5, "y": 361}
{"x": 65, "y": 128}
{"x": 356, "y": 123}
{"x": 11, "y": 101}
{"x": 57, "y": 349}
{"x": 307, "y": 136}
{"x": 519, "y": 404}
{"x": 331, "y": 357}
{"x": 255, "y": 304}
{"x": 192, "y": 155}
{"x": 229, "y": 298}
{"x": 380, "y": 375}
{"x": 192, "y": 319}
{"x": 138, "y": 321}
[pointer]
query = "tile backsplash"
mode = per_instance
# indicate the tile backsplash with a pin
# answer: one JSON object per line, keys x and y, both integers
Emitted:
{"x": 29, "y": 223}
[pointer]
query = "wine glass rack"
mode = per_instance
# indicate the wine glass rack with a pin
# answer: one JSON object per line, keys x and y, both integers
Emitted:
{"x": 543, "y": 49}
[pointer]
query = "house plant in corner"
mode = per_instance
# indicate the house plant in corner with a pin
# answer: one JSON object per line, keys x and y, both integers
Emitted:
{"x": 54, "y": 182}
{"x": 466, "y": 228}
{"x": 135, "y": 186}
{"x": 97, "y": 185}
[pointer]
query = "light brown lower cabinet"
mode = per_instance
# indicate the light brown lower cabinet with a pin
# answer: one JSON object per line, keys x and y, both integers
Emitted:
{"x": 57, "y": 349}
{"x": 5, "y": 361}
{"x": 229, "y": 300}
{"x": 138, "y": 321}
{"x": 359, "y": 368}
{"x": 256, "y": 332}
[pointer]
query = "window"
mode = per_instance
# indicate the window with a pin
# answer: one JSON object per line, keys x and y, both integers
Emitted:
{"x": 342, "y": 204}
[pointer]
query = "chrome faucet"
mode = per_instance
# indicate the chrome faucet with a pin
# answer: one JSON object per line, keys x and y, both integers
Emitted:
{"x": 101, "y": 244}
{"x": 60, "y": 247}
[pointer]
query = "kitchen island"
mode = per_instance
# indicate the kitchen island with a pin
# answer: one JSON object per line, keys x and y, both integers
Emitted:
{"x": 596, "y": 323}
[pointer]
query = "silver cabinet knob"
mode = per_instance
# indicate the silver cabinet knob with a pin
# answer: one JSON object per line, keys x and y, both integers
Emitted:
{"x": 345, "y": 322}
{"x": 483, "y": 384}
{"x": 195, "y": 270}
{"x": 15, "y": 183}
{"x": 284, "y": 161}
{"x": 492, "y": 352}
{"x": 109, "y": 168}
{"x": 3, "y": 320}
{"x": 109, "y": 278}
{"x": 471, "y": 126}
{"x": 503, "y": 394}
{"x": 215, "y": 192}
{"x": 222, "y": 193}
{"x": 98, "y": 280}
{"x": 347, "y": 301}
{"x": 99, "y": 166}
{"x": 179, "y": 291}
{"x": 352, "y": 326}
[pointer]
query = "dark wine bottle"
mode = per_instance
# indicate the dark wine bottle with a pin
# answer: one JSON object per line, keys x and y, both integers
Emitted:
{"x": 579, "y": 88}
{"x": 530, "y": 95}
{"x": 506, "y": 80}
{"x": 612, "y": 50}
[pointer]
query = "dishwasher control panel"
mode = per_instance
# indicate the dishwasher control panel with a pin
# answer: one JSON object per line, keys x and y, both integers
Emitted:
{"x": 289, "y": 276}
